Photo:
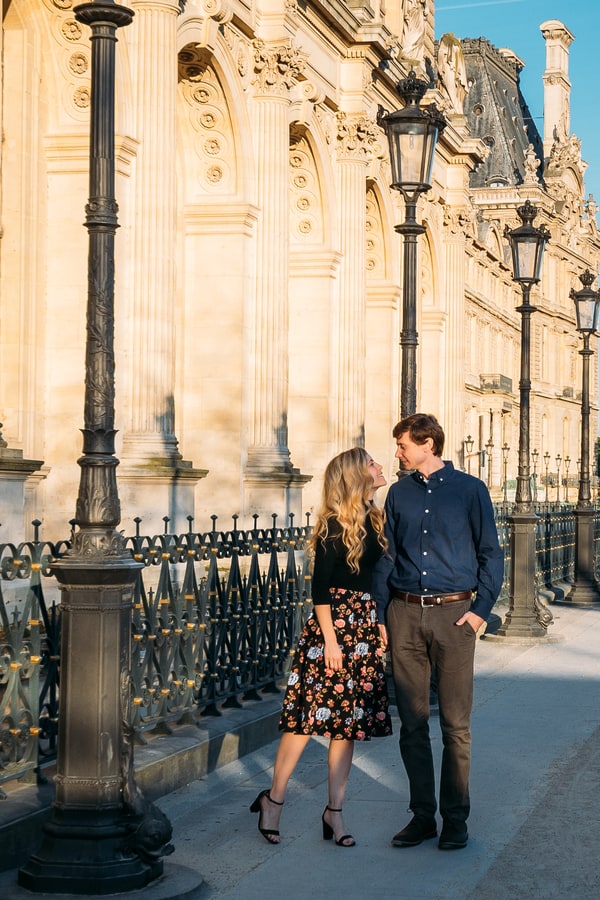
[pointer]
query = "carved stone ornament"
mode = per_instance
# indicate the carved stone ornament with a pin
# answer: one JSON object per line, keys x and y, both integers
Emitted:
{"x": 276, "y": 69}
{"x": 357, "y": 137}
{"x": 460, "y": 221}
{"x": 564, "y": 153}
{"x": 72, "y": 30}
{"x": 219, "y": 10}
{"x": 532, "y": 164}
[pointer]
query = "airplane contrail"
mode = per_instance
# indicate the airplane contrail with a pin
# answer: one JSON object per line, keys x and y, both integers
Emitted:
{"x": 475, "y": 5}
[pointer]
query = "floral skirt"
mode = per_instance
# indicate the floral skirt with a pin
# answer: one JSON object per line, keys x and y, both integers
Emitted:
{"x": 348, "y": 704}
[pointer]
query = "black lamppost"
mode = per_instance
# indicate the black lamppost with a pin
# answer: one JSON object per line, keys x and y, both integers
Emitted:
{"x": 546, "y": 467}
{"x": 505, "y": 452}
{"x": 96, "y": 841}
{"x": 412, "y": 134}
{"x": 585, "y": 590}
{"x": 469, "y": 444}
{"x": 567, "y": 462}
{"x": 558, "y": 465}
{"x": 527, "y": 245}
{"x": 535, "y": 456}
{"x": 489, "y": 447}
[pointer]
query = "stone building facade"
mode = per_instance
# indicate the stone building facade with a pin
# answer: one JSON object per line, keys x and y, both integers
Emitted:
{"x": 258, "y": 273}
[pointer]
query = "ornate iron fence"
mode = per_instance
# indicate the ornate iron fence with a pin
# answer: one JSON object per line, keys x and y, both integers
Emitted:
{"x": 215, "y": 619}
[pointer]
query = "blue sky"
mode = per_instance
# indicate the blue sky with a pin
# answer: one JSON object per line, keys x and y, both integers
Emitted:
{"x": 516, "y": 24}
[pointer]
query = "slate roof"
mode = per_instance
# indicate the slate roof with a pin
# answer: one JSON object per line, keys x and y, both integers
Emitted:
{"x": 498, "y": 114}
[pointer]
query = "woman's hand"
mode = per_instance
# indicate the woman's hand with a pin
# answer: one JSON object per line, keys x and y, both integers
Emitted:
{"x": 383, "y": 636}
{"x": 333, "y": 656}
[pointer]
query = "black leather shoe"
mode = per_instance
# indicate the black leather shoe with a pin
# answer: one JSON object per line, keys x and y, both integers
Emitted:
{"x": 417, "y": 831}
{"x": 453, "y": 836}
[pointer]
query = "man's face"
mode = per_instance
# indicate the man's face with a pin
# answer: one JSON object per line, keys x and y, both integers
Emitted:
{"x": 411, "y": 455}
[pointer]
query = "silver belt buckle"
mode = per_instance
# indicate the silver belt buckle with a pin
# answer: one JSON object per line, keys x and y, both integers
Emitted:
{"x": 424, "y": 597}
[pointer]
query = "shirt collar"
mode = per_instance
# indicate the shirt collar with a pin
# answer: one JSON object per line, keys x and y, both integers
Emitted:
{"x": 438, "y": 477}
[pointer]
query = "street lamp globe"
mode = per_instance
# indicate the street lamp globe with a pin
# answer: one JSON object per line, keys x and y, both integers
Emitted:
{"x": 412, "y": 134}
{"x": 527, "y": 245}
{"x": 586, "y": 304}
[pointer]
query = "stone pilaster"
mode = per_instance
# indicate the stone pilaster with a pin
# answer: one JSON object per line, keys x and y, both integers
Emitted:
{"x": 355, "y": 138}
{"x": 150, "y": 431}
{"x": 150, "y": 447}
{"x": 269, "y": 465}
{"x": 15, "y": 472}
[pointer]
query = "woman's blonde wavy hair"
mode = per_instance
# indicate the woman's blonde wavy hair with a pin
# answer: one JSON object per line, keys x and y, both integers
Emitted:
{"x": 347, "y": 490}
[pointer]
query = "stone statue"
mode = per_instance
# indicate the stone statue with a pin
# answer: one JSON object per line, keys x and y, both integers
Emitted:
{"x": 416, "y": 14}
{"x": 452, "y": 71}
{"x": 532, "y": 164}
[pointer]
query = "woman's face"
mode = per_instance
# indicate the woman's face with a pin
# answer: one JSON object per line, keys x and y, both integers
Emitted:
{"x": 376, "y": 471}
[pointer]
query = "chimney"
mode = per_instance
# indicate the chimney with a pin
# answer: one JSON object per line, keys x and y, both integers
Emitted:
{"x": 557, "y": 87}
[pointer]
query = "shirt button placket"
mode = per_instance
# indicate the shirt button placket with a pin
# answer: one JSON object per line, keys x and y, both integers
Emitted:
{"x": 425, "y": 547}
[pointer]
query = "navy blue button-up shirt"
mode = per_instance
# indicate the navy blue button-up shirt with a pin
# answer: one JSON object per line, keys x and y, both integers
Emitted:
{"x": 442, "y": 539}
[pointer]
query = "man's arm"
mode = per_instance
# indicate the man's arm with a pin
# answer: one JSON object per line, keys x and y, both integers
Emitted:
{"x": 489, "y": 554}
{"x": 384, "y": 567}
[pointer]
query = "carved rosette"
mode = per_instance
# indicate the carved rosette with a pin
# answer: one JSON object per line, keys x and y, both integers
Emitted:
{"x": 73, "y": 37}
{"x": 358, "y": 137}
{"x": 306, "y": 220}
{"x": 276, "y": 69}
{"x": 208, "y": 115}
{"x": 374, "y": 241}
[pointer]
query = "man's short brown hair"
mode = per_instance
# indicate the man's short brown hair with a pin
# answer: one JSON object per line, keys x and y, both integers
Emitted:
{"x": 420, "y": 427}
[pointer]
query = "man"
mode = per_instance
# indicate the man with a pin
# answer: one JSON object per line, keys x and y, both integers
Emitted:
{"x": 435, "y": 588}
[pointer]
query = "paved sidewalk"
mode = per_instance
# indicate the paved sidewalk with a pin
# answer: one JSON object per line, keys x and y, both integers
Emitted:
{"x": 535, "y": 800}
{"x": 535, "y": 794}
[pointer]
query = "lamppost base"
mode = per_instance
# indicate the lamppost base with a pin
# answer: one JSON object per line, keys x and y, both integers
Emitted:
{"x": 523, "y": 617}
{"x": 584, "y": 593}
{"x": 177, "y": 883}
{"x": 85, "y": 852}
{"x": 525, "y": 640}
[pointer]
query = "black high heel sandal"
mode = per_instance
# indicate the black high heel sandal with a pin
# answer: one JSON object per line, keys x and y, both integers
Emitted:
{"x": 328, "y": 830}
{"x": 256, "y": 807}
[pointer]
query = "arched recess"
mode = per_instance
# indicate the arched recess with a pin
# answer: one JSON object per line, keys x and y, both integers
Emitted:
{"x": 215, "y": 266}
{"x": 313, "y": 266}
{"x": 494, "y": 241}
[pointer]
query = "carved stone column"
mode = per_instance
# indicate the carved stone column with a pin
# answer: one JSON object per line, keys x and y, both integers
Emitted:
{"x": 150, "y": 447}
{"x": 355, "y": 137}
{"x": 269, "y": 467}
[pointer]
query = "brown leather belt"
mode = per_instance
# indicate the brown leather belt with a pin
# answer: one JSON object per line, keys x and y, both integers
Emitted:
{"x": 432, "y": 599}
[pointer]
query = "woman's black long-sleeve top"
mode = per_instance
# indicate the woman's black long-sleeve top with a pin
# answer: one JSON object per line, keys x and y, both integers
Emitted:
{"x": 331, "y": 569}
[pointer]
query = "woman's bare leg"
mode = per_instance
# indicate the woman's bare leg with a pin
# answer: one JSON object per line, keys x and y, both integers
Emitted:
{"x": 339, "y": 763}
{"x": 291, "y": 747}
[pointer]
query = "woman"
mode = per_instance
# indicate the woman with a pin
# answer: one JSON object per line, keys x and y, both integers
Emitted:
{"x": 336, "y": 687}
